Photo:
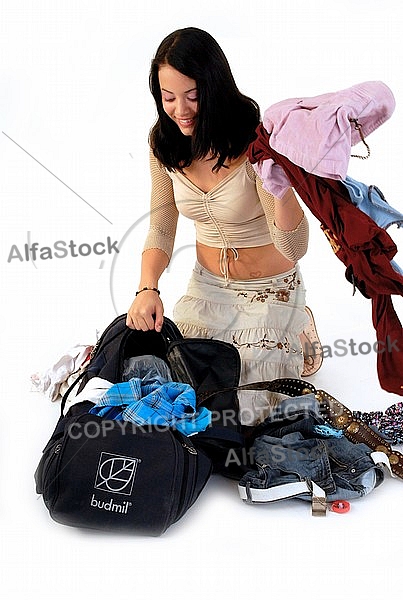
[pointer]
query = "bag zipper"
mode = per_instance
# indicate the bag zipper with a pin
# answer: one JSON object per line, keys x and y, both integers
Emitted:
{"x": 52, "y": 456}
{"x": 57, "y": 456}
{"x": 190, "y": 449}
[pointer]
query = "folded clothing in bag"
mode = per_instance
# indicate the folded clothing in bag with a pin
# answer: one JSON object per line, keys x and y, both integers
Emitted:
{"x": 170, "y": 403}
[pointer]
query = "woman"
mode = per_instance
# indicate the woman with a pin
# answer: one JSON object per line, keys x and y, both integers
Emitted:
{"x": 246, "y": 287}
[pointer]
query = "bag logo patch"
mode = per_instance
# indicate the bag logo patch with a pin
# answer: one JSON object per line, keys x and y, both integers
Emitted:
{"x": 116, "y": 473}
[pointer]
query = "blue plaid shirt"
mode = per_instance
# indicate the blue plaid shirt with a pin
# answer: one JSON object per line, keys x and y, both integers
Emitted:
{"x": 169, "y": 404}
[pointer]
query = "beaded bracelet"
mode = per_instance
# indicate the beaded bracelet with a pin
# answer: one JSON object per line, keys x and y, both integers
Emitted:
{"x": 148, "y": 289}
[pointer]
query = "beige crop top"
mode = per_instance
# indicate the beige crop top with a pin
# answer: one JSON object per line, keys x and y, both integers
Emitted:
{"x": 236, "y": 213}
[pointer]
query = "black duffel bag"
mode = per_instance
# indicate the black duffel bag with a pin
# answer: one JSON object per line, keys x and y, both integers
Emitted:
{"x": 118, "y": 476}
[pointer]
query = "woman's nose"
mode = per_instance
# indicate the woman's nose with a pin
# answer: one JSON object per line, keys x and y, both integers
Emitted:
{"x": 181, "y": 107}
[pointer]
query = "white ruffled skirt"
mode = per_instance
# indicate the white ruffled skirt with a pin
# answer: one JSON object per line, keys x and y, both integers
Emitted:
{"x": 262, "y": 318}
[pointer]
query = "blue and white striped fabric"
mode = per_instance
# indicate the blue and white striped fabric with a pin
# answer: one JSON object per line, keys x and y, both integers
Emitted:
{"x": 170, "y": 404}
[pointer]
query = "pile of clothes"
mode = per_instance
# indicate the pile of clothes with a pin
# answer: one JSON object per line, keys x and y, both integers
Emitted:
{"x": 306, "y": 143}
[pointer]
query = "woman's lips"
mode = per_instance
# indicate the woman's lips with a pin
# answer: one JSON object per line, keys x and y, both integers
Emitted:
{"x": 185, "y": 122}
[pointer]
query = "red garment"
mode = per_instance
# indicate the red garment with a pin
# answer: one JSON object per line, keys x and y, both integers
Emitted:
{"x": 365, "y": 248}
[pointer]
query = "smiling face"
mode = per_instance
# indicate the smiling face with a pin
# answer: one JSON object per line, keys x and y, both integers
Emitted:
{"x": 179, "y": 98}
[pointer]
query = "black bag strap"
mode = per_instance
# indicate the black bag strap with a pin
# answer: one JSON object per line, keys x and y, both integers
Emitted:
{"x": 69, "y": 390}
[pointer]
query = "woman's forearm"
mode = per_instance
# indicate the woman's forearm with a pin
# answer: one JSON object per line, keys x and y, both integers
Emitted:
{"x": 153, "y": 263}
{"x": 287, "y": 212}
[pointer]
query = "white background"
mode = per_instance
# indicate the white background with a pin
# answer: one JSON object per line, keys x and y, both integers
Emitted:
{"x": 75, "y": 112}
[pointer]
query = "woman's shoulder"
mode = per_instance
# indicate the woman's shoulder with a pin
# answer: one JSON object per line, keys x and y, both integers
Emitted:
{"x": 250, "y": 171}
{"x": 159, "y": 173}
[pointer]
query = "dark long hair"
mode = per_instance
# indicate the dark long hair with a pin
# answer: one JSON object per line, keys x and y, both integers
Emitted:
{"x": 226, "y": 119}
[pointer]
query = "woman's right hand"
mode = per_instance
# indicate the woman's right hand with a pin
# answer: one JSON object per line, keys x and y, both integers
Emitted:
{"x": 146, "y": 312}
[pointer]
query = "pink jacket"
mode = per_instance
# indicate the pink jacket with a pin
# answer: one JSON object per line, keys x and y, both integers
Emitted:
{"x": 316, "y": 133}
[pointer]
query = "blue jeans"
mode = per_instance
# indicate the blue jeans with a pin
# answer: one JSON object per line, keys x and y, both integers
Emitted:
{"x": 292, "y": 446}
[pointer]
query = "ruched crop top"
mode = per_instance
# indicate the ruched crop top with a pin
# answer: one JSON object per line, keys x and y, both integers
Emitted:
{"x": 229, "y": 215}
{"x": 235, "y": 213}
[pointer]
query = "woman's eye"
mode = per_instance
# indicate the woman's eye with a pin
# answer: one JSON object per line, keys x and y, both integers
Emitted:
{"x": 192, "y": 98}
{"x": 168, "y": 99}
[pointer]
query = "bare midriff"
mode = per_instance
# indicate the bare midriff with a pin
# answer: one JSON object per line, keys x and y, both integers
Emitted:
{"x": 251, "y": 263}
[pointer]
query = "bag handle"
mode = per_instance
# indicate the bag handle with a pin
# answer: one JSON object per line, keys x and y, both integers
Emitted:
{"x": 69, "y": 390}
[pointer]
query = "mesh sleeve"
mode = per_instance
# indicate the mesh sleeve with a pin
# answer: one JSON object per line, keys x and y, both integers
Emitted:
{"x": 292, "y": 244}
{"x": 163, "y": 211}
